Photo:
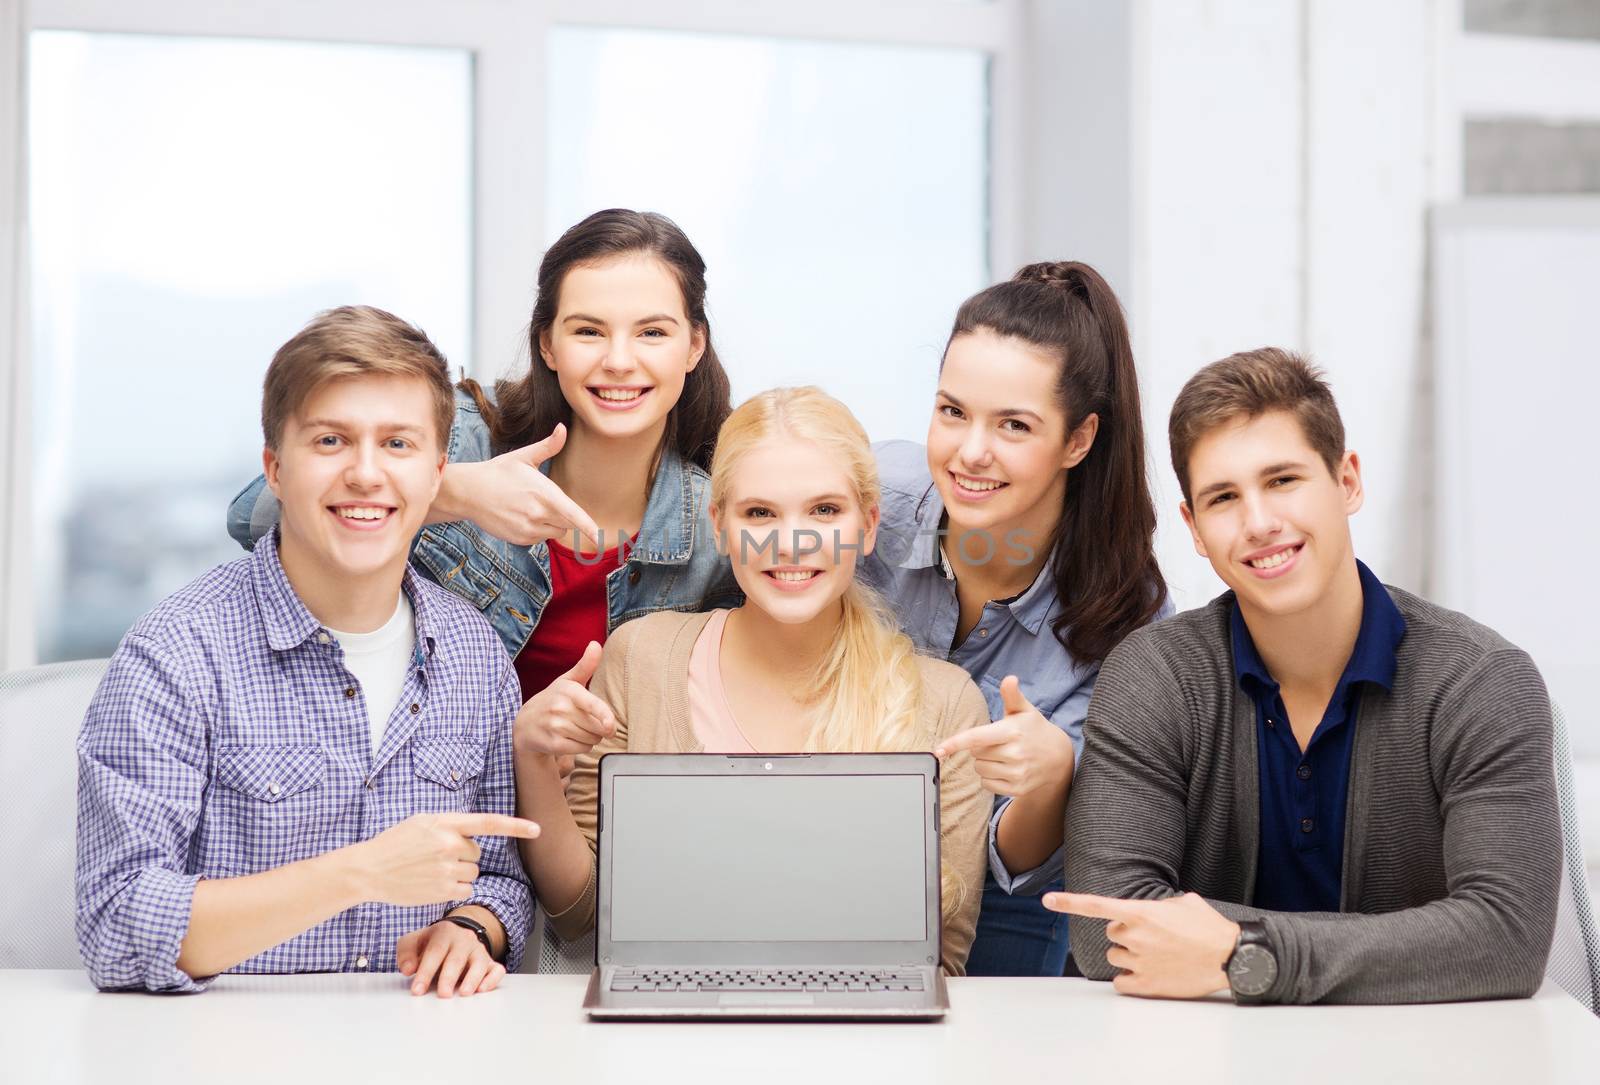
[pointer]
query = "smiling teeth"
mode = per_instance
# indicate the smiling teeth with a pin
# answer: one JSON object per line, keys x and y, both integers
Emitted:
{"x": 1272, "y": 561}
{"x": 806, "y": 574}
{"x": 619, "y": 395}
{"x": 966, "y": 484}
{"x": 363, "y": 513}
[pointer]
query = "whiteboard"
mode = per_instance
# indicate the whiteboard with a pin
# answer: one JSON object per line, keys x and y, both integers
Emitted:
{"x": 1516, "y": 320}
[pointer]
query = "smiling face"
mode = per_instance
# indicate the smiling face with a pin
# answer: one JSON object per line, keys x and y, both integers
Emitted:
{"x": 356, "y": 468}
{"x": 1268, "y": 514}
{"x": 621, "y": 345}
{"x": 998, "y": 447}
{"x": 794, "y": 528}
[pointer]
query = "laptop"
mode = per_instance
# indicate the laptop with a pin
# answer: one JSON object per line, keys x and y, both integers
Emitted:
{"x": 764, "y": 886}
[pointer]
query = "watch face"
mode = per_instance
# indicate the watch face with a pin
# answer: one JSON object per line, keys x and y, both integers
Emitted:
{"x": 1252, "y": 971}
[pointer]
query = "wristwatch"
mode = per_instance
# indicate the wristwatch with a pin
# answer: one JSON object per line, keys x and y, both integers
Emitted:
{"x": 1252, "y": 968}
{"x": 476, "y": 928}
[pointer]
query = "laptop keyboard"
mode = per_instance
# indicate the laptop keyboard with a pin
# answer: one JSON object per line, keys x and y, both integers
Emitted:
{"x": 766, "y": 979}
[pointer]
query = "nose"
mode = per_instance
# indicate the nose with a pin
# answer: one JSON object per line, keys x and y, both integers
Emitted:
{"x": 362, "y": 471}
{"x": 976, "y": 455}
{"x": 1261, "y": 519}
{"x": 619, "y": 359}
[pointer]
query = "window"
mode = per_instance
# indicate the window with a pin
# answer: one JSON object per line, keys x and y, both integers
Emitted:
{"x": 836, "y": 191}
{"x": 179, "y": 237}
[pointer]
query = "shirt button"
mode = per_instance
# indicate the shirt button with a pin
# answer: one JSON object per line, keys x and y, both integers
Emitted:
{"x": 1306, "y": 825}
{"x": 983, "y": 632}
{"x": 349, "y": 691}
{"x": 1304, "y": 772}
{"x": 633, "y": 577}
{"x": 323, "y": 638}
{"x": 273, "y": 789}
{"x": 372, "y": 785}
{"x": 415, "y": 708}
{"x": 455, "y": 776}
{"x": 361, "y": 961}
{"x": 1271, "y": 722}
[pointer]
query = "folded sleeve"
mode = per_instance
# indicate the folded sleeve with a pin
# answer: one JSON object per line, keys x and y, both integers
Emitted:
{"x": 141, "y": 777}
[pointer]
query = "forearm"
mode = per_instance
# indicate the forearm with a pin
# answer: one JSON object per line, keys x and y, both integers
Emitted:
{"x": 1461, "y": 948}
{"x": 560, "y": 861}
{"x": 233, "y": 919}
{"x": 1029, "y": 831}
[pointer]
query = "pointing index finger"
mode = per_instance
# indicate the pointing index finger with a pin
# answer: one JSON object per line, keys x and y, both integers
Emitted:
{"x": 491, "y": 825}
{"x": 1093, "y": 907}
{"x": 989, "y": 734}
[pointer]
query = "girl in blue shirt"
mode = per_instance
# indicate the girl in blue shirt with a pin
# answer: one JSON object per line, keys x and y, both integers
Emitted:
{"x": 1019, "y": 544}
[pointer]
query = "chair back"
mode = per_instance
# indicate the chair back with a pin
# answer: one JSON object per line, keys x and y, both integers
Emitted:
{"x": 1575, "y": 952}
{"x": 41, "y": 710}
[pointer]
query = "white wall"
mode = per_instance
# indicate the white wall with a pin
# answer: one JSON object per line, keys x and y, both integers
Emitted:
{"x": 1258, "y": 174}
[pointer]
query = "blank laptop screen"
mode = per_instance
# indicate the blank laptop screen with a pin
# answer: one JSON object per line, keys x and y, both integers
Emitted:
{"x": 767, "y": 859}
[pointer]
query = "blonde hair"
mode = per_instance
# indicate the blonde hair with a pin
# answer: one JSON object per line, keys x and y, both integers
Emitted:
{"x": 866, "y": 695}
{"x": 353, "y": 340}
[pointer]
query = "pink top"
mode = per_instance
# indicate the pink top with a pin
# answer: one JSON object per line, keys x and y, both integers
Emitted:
{"x": 710, "y": 716}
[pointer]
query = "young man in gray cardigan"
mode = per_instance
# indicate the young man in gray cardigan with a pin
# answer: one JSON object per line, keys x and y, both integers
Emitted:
{"x": 1316, "y": 788}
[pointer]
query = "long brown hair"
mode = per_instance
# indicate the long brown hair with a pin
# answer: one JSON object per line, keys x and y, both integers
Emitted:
{"x": 527, "y": 409}
{"x": 1104, "y": 564}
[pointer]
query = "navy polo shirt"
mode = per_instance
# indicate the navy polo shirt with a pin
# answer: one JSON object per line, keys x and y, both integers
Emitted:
{"x": 1303, "y": 794}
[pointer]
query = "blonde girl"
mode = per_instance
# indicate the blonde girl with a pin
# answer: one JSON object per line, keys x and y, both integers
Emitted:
{"x": 810, "y": 662}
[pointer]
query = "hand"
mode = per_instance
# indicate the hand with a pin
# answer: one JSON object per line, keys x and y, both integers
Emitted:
{"x": 564, "y": 718}
{"x": 429, "y": 858}
{"x": 1172, "y": 948}
{"x": 1018, "y": 753}
{"x": 451, "y": 952}
{"x": 510, "y": 498}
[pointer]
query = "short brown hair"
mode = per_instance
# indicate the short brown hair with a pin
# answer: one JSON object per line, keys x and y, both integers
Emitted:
{"x": 350, "y": 341}
{"x": 1247, "y": 385}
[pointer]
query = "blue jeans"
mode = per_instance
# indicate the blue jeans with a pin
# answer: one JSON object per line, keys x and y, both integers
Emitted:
{"x": 1018, "y": 936}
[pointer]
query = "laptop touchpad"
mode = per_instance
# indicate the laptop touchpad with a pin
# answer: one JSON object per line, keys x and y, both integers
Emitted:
{"x": 765, "y": 998}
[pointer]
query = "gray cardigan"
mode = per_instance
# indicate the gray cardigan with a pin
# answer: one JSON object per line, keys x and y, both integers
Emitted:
{"x": 1451, "y": 833}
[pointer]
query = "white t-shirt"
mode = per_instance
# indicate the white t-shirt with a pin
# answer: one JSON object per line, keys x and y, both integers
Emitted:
{"x": 380, "y": 660}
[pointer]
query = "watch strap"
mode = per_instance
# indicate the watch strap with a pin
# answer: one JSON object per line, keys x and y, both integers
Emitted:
{"x": 478, "y": 929}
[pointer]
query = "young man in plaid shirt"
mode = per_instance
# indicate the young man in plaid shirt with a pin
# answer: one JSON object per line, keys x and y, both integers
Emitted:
{"x": 288, "y": 761}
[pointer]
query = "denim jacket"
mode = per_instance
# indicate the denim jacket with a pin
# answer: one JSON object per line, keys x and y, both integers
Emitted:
{"x": 673, "y": 566}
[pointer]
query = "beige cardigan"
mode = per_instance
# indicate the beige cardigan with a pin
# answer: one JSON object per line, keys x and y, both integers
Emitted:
{"x": 644, "y": 675}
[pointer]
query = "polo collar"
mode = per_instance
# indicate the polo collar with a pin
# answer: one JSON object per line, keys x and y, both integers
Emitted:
{"x": 1373, "y": 659}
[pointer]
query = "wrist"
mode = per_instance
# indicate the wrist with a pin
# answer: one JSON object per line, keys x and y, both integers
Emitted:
{"x": 350, "y": 870}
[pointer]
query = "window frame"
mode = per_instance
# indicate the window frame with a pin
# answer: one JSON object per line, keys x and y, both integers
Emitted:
{"x": 507, "y": 40}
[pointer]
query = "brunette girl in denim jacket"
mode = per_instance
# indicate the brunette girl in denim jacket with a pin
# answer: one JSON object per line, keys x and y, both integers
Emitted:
{"x": 576, "y": 498}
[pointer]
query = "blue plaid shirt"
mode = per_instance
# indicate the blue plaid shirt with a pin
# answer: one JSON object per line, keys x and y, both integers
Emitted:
{"x": 228, "y": 738}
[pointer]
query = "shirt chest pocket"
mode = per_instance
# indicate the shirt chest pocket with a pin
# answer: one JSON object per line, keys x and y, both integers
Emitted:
{"x": 268, "y": 804}
{"x": 447, "y": 772}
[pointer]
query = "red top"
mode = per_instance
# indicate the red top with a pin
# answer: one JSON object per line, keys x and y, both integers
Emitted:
{"x": 574, "y": 616}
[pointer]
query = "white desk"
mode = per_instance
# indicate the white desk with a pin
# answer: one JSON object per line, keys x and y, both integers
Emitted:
{"x": 367, "y": 1029}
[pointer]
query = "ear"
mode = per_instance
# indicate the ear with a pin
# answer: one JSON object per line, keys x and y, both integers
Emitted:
{"x": 1080, "y": 441}
{"x": 697, "y": 346}
{"x": 270, "y": 466}
{"x": 1194, "y": 532}
{"x": 1349, "y": 480}
{"x": 717, "y": 538}
{"x": 870, "y": 538}
{"x": 545, "y": 352}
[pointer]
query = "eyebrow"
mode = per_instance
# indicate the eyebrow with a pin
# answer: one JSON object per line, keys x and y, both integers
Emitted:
{"x": 1006, "y": 412}
{"x": 655, "y": 318}
{"x": 838, "y": 498}
{"x": 342, "y": 423}
{"x": 1270, "y": 469}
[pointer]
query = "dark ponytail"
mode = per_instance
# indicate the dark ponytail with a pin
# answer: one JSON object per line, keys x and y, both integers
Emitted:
{"x": 1104, "y": 564}
{"x": 529, "y": 408}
